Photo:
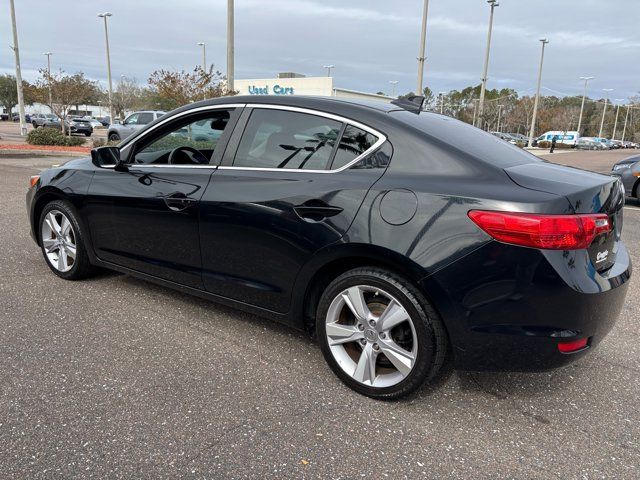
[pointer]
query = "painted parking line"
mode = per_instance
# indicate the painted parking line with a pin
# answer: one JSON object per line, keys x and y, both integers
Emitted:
{"x": 632, "y": 208}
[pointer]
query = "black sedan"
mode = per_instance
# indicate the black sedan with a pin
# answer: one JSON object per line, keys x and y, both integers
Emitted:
{"x": 628, "y": 170}
{"x": 78, "y": 126}
{"x": 402, "y": 239}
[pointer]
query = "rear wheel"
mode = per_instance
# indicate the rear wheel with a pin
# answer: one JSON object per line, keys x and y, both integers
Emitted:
{"x": 114, "y": 137}
{"x": 35, "y": 125}
{"x": 62, "y": 242}
{"x": 87, "y": 134}
{"x": 379, "y": 334}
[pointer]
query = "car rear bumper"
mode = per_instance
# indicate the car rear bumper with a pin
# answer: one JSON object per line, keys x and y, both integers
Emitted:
{"x": 513, "y": 307}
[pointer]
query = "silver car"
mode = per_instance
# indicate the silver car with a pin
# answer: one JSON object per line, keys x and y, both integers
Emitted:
{"x": 628, "y": 170}
{"x": 132, "y": 123}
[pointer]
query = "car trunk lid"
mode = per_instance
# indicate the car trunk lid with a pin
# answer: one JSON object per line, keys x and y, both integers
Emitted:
{"x": 586, "y": 192}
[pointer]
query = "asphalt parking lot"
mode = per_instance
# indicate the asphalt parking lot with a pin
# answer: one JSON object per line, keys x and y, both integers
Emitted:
{"x": 118, "y": 378}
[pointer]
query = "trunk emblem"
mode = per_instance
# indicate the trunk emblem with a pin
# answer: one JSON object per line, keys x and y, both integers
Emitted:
{"x": 602, "y": 256}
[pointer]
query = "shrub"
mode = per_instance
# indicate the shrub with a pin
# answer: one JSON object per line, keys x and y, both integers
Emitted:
{"x": 51, "y": 136}
{"x": 101, "y": 142}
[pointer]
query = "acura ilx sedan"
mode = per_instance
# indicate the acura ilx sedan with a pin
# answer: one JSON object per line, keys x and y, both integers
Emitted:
{"x": 402, "y": 239}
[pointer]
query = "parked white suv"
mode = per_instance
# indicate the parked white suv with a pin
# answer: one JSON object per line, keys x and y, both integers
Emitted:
{"x": 132, "y": 123}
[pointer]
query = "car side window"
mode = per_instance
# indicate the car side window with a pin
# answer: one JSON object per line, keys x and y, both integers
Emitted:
{"x": 144, "y": 118}
{"x": 201, "y": 133}
{"x": 131, "y": 119}
{"x": 285, "y": 139}
{"x": 353, "y": 143}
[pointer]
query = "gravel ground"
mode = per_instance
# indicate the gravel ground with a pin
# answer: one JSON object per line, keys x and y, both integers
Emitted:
{"x": 118, "y": 378}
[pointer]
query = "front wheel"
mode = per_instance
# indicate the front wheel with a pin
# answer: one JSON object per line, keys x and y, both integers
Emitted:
{"x": 87, "y": 134}
{"x": 379, "y": 334}
{"x": 62, "y": 242}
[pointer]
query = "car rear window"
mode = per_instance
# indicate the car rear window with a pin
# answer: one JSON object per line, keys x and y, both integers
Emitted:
{"x": 471, "y": 140}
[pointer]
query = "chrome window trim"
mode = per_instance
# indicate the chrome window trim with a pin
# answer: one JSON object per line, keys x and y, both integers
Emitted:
{"x": 381, "y": 137}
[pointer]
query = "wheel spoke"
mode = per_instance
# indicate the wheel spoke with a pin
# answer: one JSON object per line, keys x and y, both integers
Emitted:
{"x": 402, "y": 359}
{"x": 393, "y": 315}
{"x": 50, "y": 245}
{"x": 339, "y": 334}
{"x": 62, "y": 260}
{"x": 53, "y": 224}
{"x": 65, "y": 226}
{"x": 366, "y": 368}
{"x": 71, "y": 251}
{"x": 355, "y": 301}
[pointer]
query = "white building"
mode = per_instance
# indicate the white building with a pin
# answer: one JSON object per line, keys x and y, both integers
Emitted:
{"x": 296, "y": 84}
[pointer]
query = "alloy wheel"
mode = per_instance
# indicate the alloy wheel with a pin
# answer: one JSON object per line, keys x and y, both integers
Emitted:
{"x": 371, "y": 336}
{"x": 59, "y": 240}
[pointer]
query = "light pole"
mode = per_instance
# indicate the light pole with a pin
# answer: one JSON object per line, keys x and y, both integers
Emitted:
{"x": 16, "y": 51}
{"x": 230, "y": 47}
{"x": 543, "y": 41}
{"x": 624, "y": 130}
{"x": 475, "y": 110}
{"x": 104, "y": 16}
{"x": 584, "y": 95}
{"x": 483, "y": 87}
{"x": 328, "y": 67}
{"x": 615, "y": 124}
{"x": 204, "y": 55}
{"x": 421, "y": 50}
{"x": 500, "y": 107}
{"x": 48, "y": 54}
{"x": 393, "y": 87}
{"x": 604, "y": 110}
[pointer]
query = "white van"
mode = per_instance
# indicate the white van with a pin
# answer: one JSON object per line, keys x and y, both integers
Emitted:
{"x": 567, "y": 137}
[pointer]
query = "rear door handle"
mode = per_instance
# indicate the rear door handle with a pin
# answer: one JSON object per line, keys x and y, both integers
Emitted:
{"x": 316, "y": 210}
{"x": 178, "y": 201}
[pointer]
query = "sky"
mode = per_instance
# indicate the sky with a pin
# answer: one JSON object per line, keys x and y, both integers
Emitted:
{"x": 370, "y": 42}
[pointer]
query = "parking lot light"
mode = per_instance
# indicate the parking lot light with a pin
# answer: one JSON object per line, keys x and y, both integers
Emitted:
{"x": 393, "y": 87}
{"x": 16, "y": 52}
{"x": 604, "y": 110}
{"x": 104, "y": 16}
{"x": 615, "y": 124}
{"x": 584, "y": 95}
{"x": 423, "y": 38}
{"x": 544, "y": 41}
{"x": 626, "y": 117}
{"x": 480, "y": 118}
{"x": 329, "y": 67}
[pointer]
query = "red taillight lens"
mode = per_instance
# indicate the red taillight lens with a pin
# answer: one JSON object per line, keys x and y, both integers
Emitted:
{"x": 573, "y": 346}
{"x": 552, "y": 232}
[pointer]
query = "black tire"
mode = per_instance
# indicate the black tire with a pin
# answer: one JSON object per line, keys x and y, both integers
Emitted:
{"x": 87, "y": 134}
{"x": 81, "y": 267}
{"x": 431, "y": 334}
{"x": 35, "y": 125}
{"x": 114, "y": 137}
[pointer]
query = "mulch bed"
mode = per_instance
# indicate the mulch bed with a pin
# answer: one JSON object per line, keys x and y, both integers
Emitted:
{"x": 52, "y": 148}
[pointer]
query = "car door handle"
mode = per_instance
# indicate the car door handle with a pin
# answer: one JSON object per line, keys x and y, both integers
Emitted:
{"x": 178, "y": 201}
{"x": 316, "y": 210}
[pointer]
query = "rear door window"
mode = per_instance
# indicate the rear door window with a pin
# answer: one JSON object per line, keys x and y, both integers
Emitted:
{"x": 286, "y": 139}
{"x": 144, "y": 118}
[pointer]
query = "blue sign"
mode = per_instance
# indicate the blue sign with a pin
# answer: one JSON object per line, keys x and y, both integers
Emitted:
{"x": 277, "y": 90}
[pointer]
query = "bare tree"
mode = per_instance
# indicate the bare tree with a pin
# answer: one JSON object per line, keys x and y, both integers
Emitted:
{"x": 66, "y": 91}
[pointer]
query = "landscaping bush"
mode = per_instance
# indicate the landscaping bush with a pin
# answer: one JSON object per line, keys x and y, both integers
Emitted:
{"x": 101, "y": 142}
{"x": 51, "y": 136}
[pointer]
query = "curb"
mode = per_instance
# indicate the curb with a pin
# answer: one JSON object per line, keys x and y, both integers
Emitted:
{"x": 40, "y": 153}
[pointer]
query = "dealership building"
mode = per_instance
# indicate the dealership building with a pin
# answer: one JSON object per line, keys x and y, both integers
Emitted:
{"x": 297, "y": 84}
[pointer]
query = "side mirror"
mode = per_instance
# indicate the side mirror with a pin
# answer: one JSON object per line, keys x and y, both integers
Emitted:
{"x": 108, "y": 157}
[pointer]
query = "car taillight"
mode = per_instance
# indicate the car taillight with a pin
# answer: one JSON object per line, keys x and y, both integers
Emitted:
{"x": 33, "y": 180}
{"x": 552, "y": 232}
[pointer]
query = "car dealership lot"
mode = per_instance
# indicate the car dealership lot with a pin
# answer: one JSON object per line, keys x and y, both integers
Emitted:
{"x": 115, "y": 377}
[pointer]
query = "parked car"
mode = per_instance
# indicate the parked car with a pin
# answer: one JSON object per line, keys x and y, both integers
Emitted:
{"x": 506, "y": 137}
{"x": 39, "y": 119}
{"x": 590, "y": 143}
{"x": 627, "y": 144}
{"x": 16, "y": 117}
{"x": 94, "y": 123}
{"x": 4, "y": 117}
{"x": 566, "y": 137}
{"x": 72, "y": 125}
{"x": 628, "y": 170}
{"x": 616, "y": 144}
{"x": 322, "y": 214}
{"x": 134, "y": 122}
